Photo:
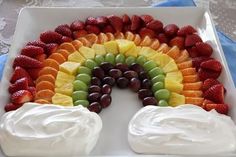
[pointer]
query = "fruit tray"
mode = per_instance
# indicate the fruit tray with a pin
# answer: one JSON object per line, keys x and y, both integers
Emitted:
{"x": 113, "y": 139}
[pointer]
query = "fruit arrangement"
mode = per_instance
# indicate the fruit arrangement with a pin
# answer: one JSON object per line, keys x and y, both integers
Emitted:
{"x": 78, "y": 64}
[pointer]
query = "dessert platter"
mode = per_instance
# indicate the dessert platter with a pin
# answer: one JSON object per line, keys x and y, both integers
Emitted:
{"x": 117, "y": 81}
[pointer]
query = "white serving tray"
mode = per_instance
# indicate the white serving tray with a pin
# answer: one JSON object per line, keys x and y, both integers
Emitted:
{"x": 113, "y": 140}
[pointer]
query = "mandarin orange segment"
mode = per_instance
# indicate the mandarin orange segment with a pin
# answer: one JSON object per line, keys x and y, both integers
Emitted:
{"x": 194, "y": 100}
{"x": 42, "y": 101}
{"x": 58, "y": 57}
{"x": 184, "y": 55}
{"x": 102, "y": 38}
{"x": 192, "y": 93}
{"x": 41, "y": 57}
{"x": 67, "y": 46}
{"x": 193, "y": 86}
{"x": 45, "y": 94}
{"x": 146, "y": 41}
{"x": 64, "y": 53}
{"x": 188, "y": 71}
{"x": 51, "y": 63}
{"x": 164, "y": 48}
{"x": 47, "y": 71}
{"x": 77, "y": 44}
{"x": 184, "y": 65}
{"x": 137, "y": 39}
{"x": 174, "y": 52}
{"x": 129, "y": 35}
{"x": 84, "y": 41}
{"x": 110, "y": 36}
{"x": 119, "y": 35}
{"x": 47, "y": 77}
{"x": 190, "y": 78}
{"x": 45, "y": 85}
{"x": 92, "y": 38}
{"x": 155, "y": 44}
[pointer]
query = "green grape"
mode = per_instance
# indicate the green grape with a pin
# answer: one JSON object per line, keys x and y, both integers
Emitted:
{"x": 110, "y": 57}
{"x": 141, "y": 60}
{"x": 158, "y": 78}
{"x": 120, "y": 58}
{"x": 99, "y": 59}
{"x": 84, "y": 70}
{"x": 162, "y": 94}
{"x": 149, "y": 65}
{"x": 130, "y": 60}
{"x": 163, "y": 103}
{"x": 79, "y": 95}
{"x": 84, "y": 78}
{"x": 80, "y": 85}
{"x": 156, "y": 71}
{"x": 157, "y": 86}
{"x": 85, "y": 103}
{"x": 90, "y": 63}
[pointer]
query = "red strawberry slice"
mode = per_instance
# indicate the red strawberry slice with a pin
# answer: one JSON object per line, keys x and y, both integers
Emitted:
{"x": 204, "y": 49}
{"x": 135, "y": 23}
{"x": 80, "y": 33}
{"x": 171, "y": 30}
{"x": 186, "y": 30}
{"x": 26, "y": 62}
{"x": 193, "y": 52}
{"x": 198, "y": 60}
{"x": 50, "y": 37}
{"x": 65, "y": 39}
{"x": 102, "y": 21}
{"x": 108, "y": 29}
{"x": 205, "y": 74}
{"x": 126, "y": 19}
{"x": 127, "y": 28}
{"x": 64, "y": 30}
{"x": 18, "y": 85}
{"x": 37, "y": 43}
{"x": 11, "y": 107}
{"x": 21, "y": 97}
{"x": 116, "y": 22}
{"x": 215, "y": 93}
{"x": 146, "y": 18}
{"x": 212, "y": 65}
{"x": 77, "y": 25}
{"x": 32, "y": 51}
{"x": 92, "y": 29}
{"x": 177, "y": 41}
{"x": 21, "y": 73}
{"x": 162, "y": 38}
{"x": 220, "y": 108}
{"x": 51, "y": 48}
{"x": 192, "y": 39}
{"x": 34, "y": 73}
{"x": 147, "y": 32}
{"x": 155, "y": 25}
{"x": 206, "y": 101}
{"x": 91, "y": 21}
{"x": 209, "y": 83}
{"x": 32, "y": 90}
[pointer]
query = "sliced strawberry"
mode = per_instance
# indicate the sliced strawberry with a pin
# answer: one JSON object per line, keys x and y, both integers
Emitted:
{"x": 50, "y": 37}
{"x": 171, "y": 30}
{"x": 32, "y": 90}
{"x": 162, "y": 38}
{"x": 126, "y": 19}
{"x": 135, "y": 23}
{"x": 198, "y": 60}
{"x": 186, "y": 30}
{"x": 193, "y": 52}
{"x": 177, "y": 41}
{"x": 26, "y": 62}
{"x": 77, "y": 25}
{"x": 41, "y": 57}
{"x": 65, "y": 39}
{"x": 51, "y": 48}
{"x": 108, "y": 29}
{"x": 11, "y": 107}
{"x": 192, "y": 39}
{"x": 215, "y": 93}
{"x": 146, "y": 32}
{"x": 116, "y": 22}
{"x": 80, "y": 33}
{"x": 102, "y": 21}
{"x": 127, "y": 28}
{"x": 212, "y": 65}
{"x": 209, "y": 83}
{"x": 92, "y": 29}
{"x": 155, "y": 25}
{"x": 206, "y": 101}
{"x": 34, "y": 73}
{"x": 146, "y": 18}
{"x": 220, "y": 108}
{"x": 32, "y": 51}
{"x": 64, "y": 30}
{"x": 37, "y": 43}
{"x": 205, "y": 74}
{"x": 20, "y": 84}
{"x": 91, "y": 21}
{"x": 204, "y": 49}
{"x": 21, "y": 97}
{"x": 21, "y": 73}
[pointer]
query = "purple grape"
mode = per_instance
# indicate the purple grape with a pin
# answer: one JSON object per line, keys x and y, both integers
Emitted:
{"x": 130, "y": 74}
{"x": 115, "y": 73}
{"x": 106, "y": 66}
{"x": 106, "y": 89}
{"x": 109, "y": 80}
{"x": 136, "y": 67}
{"x": 93, "y": 97}
{"x": 143, "y": 93}
{"x": 134, "y": 84}
{"x": 146, "y": 84}
{"x": 95, "y": 107}
{"x": 122, "y": 82}
{"x": 149, "y": 101}
{"x": 122, "y": 67}
{"x": 143, "y": 75}
{"x": 96, "y": 81}
{"x": 105, "y": 100}
{"x": 98, "y": 72}
{"x": 94, "y": 88}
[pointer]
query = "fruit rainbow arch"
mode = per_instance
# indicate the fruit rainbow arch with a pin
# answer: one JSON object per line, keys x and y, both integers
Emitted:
{"x": 165, "y": 65}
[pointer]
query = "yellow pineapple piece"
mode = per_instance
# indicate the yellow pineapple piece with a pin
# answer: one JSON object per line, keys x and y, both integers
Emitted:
{"x": 76, "y": 57}
{"x": 61, "y": 99}
{"x": 147, "y": 52}
{"x": 133, "y": 51}
{"x": 171, "y": 66}
{"x": 176, "y": 99}
{"x": 87, "y": 52}
{"x": 69, "y": 67}
{"x": 66, "y": 89}
{"x": 111, "y": 47}
{"x": 63, "y": 78}
{"x": 125, "y": 45}
{"x": 99, "y": 49}
{"x": 173, "y": 85}
{"x": 175, "y": 75}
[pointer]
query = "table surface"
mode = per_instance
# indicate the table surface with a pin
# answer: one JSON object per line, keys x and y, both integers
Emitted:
{"x": 223, "y": 12}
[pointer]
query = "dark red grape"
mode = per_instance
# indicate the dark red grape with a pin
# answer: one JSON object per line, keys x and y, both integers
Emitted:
{"x": 94, "y": 88}
{"x": 130, "y": 74}
{"x": 96, "y": 81}
{"x": 94, "y": 97}
{"x": 122, "y": 67}
{"x": 143, "y": 93}
{"x": 106, "y": 89}
{"x": 95, "y": 107}
{"x": 115, "y": 73}
{"x": 149, "y": 101}
{"x": 146, "y": 84}
{"x": 136, "y": 67}
{"x": 106, "y": 66}
{"x": 109, "y": 80}
{"x": 143, "y": 75}
{"x": 134, "y": 84}
{"x": 98, "y": 72}
{"x": 105, "y": 100}
{"x": 122, "y": 82}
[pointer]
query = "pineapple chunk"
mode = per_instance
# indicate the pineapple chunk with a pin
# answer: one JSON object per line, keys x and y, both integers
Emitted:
{"x": 66, "y": 89}
{"x": 156, "y": 58}
{"x": 99, "y": 49}
{"x": 176, "y": 99}
{"x": 87, "y": 52}
{"x": 111, "y": 47}
{"x": 173, "y": 86}
{"x": 176, "y": 75}
{"x": 133, "y": 51}
{"x": 76, "y": 57}
{"x": 147, "y": 52}
{"x": 124, "y": 45}
{"x": 170, "y": 67}
{"x": 61, "y": 99}
{"x": 69, "y": 67}
{"x": 63, "y": 78}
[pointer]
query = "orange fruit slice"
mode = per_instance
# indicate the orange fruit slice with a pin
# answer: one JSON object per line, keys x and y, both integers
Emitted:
{"x": 192, "y": 93}
{"x": 174, "y": 52}
{"x": 58, "y": 57}
{"x": 164, "y": 48}
{"x": 184, "y": 55}
{"x": 45, "y": 85}
{"x": 188, "y": 71}
{"x": 137, "y": 39}
{"x": 67, "y": 46}
{"x": 45, "y": 94}
{"x": 48, "y": 70}
{"x": 42, "y": 101}
{"x": 64, "y": 53}
{"x": 146, "y": 41}
{"x": 51, "y": 63}
{"x": 185, "y": 64}
{"x": 77, "y": 44}
{"x": 194, "y": 100}
{"x": 102, "y": 38}
{"x": 47, "y": 77}
{"x": 193, "y": 86}
{"x": 155, "y": 44}
{"x": 41, "y": 57}
{"x": 84, "y": 41}
{"x": 129, "y": 35}
{"x": 110, "y": 36}
{"x": 190, "y": 78}
{"x": 92, "y": 38}
{"x": 119, "y": 35}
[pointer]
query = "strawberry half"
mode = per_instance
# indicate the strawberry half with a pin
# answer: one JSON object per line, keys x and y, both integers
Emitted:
{"x": 116, "y": 22}
{"x": 220, "y": 108}
{"x": 101, "y": 21}
{"x": 204, "y": 49}
{"x": 147, "y": 32}
{"x": 177, "y": 41}
{"x": 21, "y": 73}
{"x": 146, "y": 18}
{"x": 206, "y": 101}
{"x": 34, "y": 73}
{"x": 37, "y": 43}
{"x": 27, "y": 62}
{"x": 155, "y": 25}
{"x": 135, "y": 23}
{"x": 212, "y": 65}
{"x": 32, "y": 51}
{"x": 50, "y": 37}
{"x": 91, "y": 21}
{"x": 18, "y": 85}
{"x": 108, "y": 29}
{"x": 32, "y": 90}
{"x": 66, "y": 39}
{"x": 193, "y": 52}
{"x": 215, "y": 93}
{"x": 208, "y": 83}
{"x": 186, "y": 30}
{"x": 205, "y": 74}
{"x": 191, "y": 40}
{"x": 80, "y": 33}
{"x": 64, "y": 30}
{"x": 162, "y": 38}
{"x": 21, "y": 97}
{"x": 11, "y": 107}
{"x": 198, "y": 60}
{"x": 126, "y": 19}
{"x": 77, "y": 25}
{"x": 51, "y": 48}
{"x": 92, "y": 29}
{"x": 171, "y": 30}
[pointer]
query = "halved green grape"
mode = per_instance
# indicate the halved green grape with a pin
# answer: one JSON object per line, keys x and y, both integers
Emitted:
{"x": 156, "y": 71}
{"x": 163, "y": 103}
{"x": 84, "y": 70}
{"x": 141, "y": 60}
{"x": 99, "y": 59}
{"x": 157, "y": 86}
{"x": 120, "y": 58}
{"x": 158, "y": 78}
{"x": 80, "y": 85}
{"x": 79, "y": 95}
{"x": 84, "y": 77}
{"x": 90, "y": 63}
{"x": 110, "y": 57}
{"x": 162, "y": 94}
{"x": 130, "y": 60}
{"x": 85, "y": 103}
{"x": 149, "y": 65}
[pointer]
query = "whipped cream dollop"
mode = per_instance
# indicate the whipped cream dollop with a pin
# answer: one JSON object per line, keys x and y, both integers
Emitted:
{"x": 49, "y": 130}
{"x": 186, "y": 129}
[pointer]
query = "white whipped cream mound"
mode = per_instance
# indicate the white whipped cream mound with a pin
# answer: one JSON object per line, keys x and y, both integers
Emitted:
{"x": 49, "y": 130}
{"x": 186, "y": 129}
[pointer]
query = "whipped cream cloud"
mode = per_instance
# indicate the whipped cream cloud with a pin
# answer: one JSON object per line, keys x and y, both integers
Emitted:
{"x": 49, "y": 130}
{"x": 186, "y": 129}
